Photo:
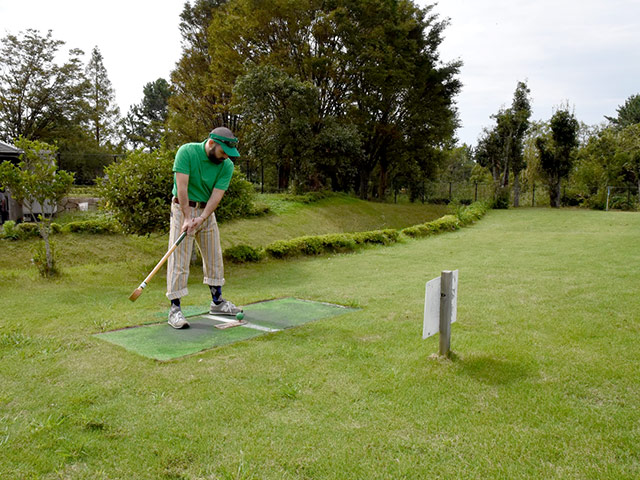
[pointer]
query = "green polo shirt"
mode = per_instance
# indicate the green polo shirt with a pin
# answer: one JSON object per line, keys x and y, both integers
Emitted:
{"x": 204, "y": 175}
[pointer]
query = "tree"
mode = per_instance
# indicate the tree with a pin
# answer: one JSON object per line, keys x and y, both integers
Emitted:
{"x": 556, "y": 151}
{"x": 145, "y": 124}
{"x": 34, "y": 182}
{"x": 628, "y": 114}
{"x": 629, "y": 150}
{"x": 103, "y": 112}
{"x": 374, "y": 64}
{"x": 501, "y": 149}
{"x": 193, "y": 108}
{"x": 39, "y": 99}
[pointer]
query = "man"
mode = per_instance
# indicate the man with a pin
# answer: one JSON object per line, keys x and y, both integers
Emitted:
{"x": 202, "y": 172}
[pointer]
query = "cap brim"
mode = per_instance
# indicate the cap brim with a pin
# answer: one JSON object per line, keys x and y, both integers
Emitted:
{"x": 232, "y": 152}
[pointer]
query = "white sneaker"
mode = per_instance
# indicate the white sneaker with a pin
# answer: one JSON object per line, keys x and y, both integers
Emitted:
{"x": 224, "y": 308}
{"x": 176, "y": 318}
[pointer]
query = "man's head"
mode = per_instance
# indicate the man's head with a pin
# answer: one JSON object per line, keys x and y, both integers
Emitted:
{"x": 221, "y": 144}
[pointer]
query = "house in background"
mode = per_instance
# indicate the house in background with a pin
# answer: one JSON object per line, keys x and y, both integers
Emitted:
{"x": 13, "y": 210}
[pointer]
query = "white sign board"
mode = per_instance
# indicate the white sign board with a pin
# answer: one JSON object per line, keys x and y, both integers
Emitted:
{"x": 431, "y": 324}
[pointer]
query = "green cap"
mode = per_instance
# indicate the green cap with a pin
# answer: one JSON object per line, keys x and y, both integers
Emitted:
{"x": 225, "y": 138}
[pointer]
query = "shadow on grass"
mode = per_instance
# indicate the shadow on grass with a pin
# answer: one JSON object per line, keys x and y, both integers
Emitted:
{"x": 490, "y": 370}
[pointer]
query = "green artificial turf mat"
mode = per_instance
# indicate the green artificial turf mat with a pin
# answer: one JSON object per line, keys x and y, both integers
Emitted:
{"x": 161, "y": 342}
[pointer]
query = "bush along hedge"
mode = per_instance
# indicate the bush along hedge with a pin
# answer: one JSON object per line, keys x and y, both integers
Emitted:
{"x": 26, "y": 230}
{"x": 348, "y": 242}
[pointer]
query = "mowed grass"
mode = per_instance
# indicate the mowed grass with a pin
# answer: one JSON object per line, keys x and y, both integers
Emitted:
{"x": 543, "y": 382}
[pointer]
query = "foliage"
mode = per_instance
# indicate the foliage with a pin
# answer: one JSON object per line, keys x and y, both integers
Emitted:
{"x": 372, "y": 70}
{"x": 9, "y": 230}
{"x": 501, "y": 148}
{"x": 330, "y": 243}
{"x": 39, "y": 98}
{"x": 628, "y": 114}
{"x": 238, "y": 200}
{"x": 243, "y": 254}
{"x": 36, "y": 182}
{"x": 104, "y": 114}
{"x": 448, "y": 223}
{"x": 193, "y": 106}
{"x": 145, "y": 124}
{"x": 93, "y": 226}
{"x": 557, "y": 151}
{"x": 41, "y": 254}
{"x": 137, "y": 191}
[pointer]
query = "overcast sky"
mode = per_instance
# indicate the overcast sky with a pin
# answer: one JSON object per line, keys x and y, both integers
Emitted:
{"x": 582, "y": 52}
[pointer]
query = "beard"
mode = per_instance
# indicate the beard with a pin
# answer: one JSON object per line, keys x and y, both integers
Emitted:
{"x": 213, "y": 158}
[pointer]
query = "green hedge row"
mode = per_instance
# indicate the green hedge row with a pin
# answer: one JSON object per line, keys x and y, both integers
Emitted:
{"x": 26, "y": 230}
{"x": 347, "y": 242}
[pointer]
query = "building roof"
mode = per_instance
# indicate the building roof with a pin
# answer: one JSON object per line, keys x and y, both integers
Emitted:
{"x": 9, "y": 149}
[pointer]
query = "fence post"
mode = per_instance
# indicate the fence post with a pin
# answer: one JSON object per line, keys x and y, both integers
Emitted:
{"x": 533, "y": 195}
{"x": 475, "y": 196}
{"x": 608, "y": 195}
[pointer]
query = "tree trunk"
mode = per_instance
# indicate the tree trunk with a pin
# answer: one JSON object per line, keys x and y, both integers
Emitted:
{"x": 554, "y": 193}
{"x": 382, "y": 185}
{"x": 516, "y": 189}
{"x": 364, "y": 184}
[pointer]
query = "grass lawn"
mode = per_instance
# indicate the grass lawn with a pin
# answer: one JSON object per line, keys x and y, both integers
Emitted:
{"x": 543, "y": 383}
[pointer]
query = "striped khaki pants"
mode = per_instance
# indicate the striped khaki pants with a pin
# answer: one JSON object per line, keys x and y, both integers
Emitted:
{"x": 208, "y": 241}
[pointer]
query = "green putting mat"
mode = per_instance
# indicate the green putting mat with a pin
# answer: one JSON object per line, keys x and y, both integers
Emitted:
{"x": 161, "y": 342}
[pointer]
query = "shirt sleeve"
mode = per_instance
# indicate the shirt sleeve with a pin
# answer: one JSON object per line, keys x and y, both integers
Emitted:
{"x": 225, "y": 176}
{"x": 181, "y": 163}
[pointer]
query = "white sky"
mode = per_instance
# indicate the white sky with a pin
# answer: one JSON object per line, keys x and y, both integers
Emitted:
{"x": 584, "y": 52}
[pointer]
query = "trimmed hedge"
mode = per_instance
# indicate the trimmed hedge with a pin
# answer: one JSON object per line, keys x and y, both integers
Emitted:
{"x": 97, "y": 226}
{"x": 27, "y": 230}
{"x": 243, "y": 253}
{"x": 348, "y": 242}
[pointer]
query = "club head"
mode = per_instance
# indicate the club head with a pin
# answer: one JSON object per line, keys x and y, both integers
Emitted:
{"x": 136, "y": 293}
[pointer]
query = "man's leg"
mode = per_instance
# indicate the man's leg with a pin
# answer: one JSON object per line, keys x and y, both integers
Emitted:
{"x": 209, "y": 242}
{"x": 178, "y": 268}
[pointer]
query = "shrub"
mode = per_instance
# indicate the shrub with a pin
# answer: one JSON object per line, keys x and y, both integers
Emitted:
{"x": 137, "y": 190}
{"x": 95, "y": 226}
{"x": 9, "y": 230}
{"x": 382, "y": 237}
{"x": 28, "y": 230}
{"x": 501, "y": 199}
{"x": 442, "y": 224}
{"x": 243, "y": 253}
{"x": 238, "y": 199}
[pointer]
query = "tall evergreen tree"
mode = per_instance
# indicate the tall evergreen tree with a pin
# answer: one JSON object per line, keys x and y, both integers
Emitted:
{"x": 145, "y": 124}
{"x": 103, "y": 111}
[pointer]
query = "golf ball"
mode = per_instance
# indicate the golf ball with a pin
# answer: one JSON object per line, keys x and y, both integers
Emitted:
{"x": 239, "y": 316}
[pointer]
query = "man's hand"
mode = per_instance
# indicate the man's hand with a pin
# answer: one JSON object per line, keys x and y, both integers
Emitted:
{"x": 192, "y": 225}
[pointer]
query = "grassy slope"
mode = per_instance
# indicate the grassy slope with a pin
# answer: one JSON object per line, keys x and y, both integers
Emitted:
{"x": 543, "y": 385}
{"x": 289, "y": 220}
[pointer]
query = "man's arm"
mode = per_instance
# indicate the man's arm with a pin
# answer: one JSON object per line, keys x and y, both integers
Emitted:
{"x": 212, "y": 204}
{"x": 182, "y": 184}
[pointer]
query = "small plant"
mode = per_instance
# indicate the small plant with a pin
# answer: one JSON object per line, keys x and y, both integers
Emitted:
{"x": 46, "y": 268}
{"x": 9, "y": 231}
